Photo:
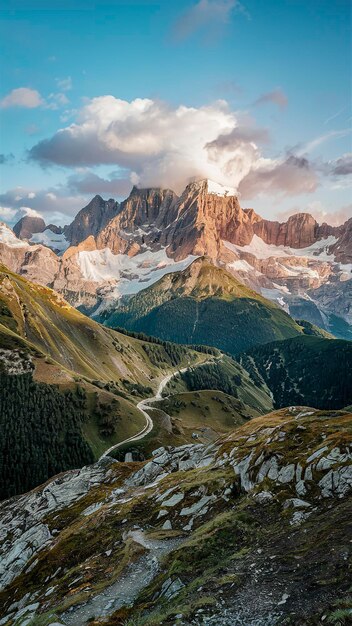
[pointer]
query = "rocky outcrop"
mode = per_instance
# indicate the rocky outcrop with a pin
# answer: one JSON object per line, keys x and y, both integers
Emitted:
{"x": 140, "y": 221}
{"x": 31, "y": 533}
{"x": 28, "y": 225}
{"x": 91, "y": 219}
{"x": 258, "y": 522}
{"x": 343, "y": 247}
{"x": 37, "y": 263}
{"x": 203, "y": 219}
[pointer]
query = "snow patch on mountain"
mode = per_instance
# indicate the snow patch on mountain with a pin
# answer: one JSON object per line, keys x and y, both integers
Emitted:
{"x": 56, "y": 242}
{"x": 241, "y": 266}
{"x": 8, "y": 237}
{"x": 131, "y": 274}
{"x": 263, "y": 250}
{"x": 346, "y": 271}
{"x": 220, "y": 190}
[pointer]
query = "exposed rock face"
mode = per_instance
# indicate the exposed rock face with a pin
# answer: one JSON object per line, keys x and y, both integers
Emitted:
{"x": 91, "y": 219}
{"x": 58, "y": 230}
{"x": 37, "y": 263}
{"x": 343, "y": 247}
{"x": 28, "y": 225}
{"x": 300, "y": 231}
{"x": 262, "y": 516}
{"x": 279, "y": 260}
{"x": 201, "y": 220}
{"x": 68, "y": 279}
{"x": 140, "y": 220}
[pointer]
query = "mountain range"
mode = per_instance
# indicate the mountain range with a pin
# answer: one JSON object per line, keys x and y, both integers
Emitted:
{"x": 116, "y": 249}
{"x": 175, "y": 416}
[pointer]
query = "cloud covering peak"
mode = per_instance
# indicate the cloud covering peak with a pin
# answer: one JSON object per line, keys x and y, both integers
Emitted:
{"x": 161, "y": 145}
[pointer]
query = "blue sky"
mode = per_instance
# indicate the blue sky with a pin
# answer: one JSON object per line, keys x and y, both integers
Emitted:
{"x": 280, "y": 68}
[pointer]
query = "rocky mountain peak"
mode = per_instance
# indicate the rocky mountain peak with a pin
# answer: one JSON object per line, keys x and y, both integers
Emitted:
{"x": 141, "y": 216}
{"x": 91, "y": 219}
{"x": 28, "y": 225}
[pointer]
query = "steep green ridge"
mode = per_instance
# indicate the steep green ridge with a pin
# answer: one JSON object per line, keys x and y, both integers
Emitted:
{"x": 204, "y": 304}
{"x": 304, "y": 370}
{"x": 41, "y": 318}
{"x": 69, "y": 386}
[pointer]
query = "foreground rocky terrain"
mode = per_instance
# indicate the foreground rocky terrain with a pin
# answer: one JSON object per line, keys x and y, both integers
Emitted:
{"x": 253, "y": 529}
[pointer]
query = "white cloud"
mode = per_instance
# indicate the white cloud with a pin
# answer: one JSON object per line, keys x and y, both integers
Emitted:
{"x": 56, "y": 100}
{"x": 65, "y": 84}
{"x": 318, "y": 141}
{"x": 91, "y": 183}
{"x": 31, "y": 99}
{"x": 339, "y": 167}
{"x": 56, "y": 205}
{"x": 22, "y": 97}
{"x": 168, "y": 146}
{"x": 24, "y": 211}
{"x": 7, "y": 214}
{"x": 289, "y": 176}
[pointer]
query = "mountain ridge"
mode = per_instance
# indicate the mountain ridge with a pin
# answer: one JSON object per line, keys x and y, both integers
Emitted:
{"x": 296, "y": 263}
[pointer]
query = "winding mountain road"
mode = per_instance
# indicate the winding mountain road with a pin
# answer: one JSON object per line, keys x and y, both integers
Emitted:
{"x": 142, "y": 406}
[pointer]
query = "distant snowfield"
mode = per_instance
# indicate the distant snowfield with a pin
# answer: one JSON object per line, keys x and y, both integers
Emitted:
{"x": 318, "y": 252}
{"x": 130, "y": 274}
{"x": 8, "y": 237}
{"x": 51, "y": 240}
{"x": 262, "y": 250}
{"x": 220, "y": 190}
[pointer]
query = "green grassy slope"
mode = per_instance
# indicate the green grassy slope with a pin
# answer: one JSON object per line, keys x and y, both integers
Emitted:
{"x": 228, "y": 376}
{"x": 69, "y": 386}
{"x": 207, "y": 305}
{"x": 304, "y": 370}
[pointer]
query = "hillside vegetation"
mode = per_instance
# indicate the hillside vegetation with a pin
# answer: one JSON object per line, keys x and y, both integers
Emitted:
{"x": 304, "y": 370}
{"x": 204, "y": 304}
{"x": 69, "y": 386}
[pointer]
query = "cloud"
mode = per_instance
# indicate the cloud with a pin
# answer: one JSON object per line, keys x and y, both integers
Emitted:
{"x": 55, "y": 204}
{"x": 246, "y": 134}
{"x": 320, "y": 213}
{"x": 339, "y": 167}
{"x": 277, "y": 96}
{"x": 31, "y": 99}
{"x": 22, "y": 97}
{"x": 5, "y": 158}
{"x": 56, "y": 100}
{"x": 288, "y": 177}
{"x": 91, "y": 183}
{"x": 11, "y": 216}
{"x": 7, "y": 214}
{"x": 335, "y": 115}
{"x": 209, "y": 15}
{"x": 159, "y": 143}
{"x": 25, "y": 211}
{"x": 65, "y": 84}
{"x": 166, "y": 146}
